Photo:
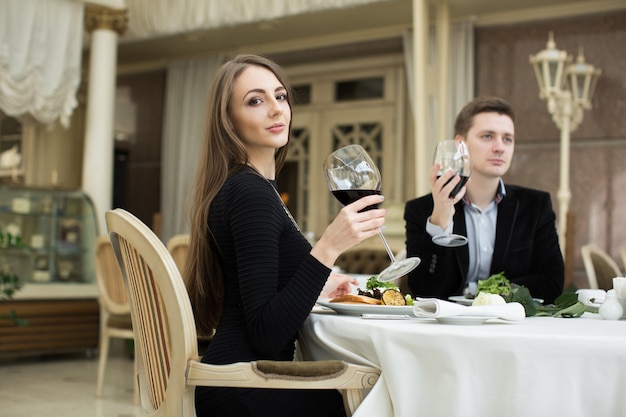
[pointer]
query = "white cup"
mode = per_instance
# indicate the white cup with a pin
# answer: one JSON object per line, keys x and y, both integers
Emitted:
{"x": 622, "y": 301}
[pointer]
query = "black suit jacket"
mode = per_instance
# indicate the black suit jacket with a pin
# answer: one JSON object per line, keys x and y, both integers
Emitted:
{"x": 526, "y": 247}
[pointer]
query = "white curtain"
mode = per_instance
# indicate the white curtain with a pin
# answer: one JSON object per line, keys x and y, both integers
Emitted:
{"x": 161, "y": 17}
{"x": 461, "y": 79}
{"x": 40, "y": 58}
{"x": 183, "y": 133}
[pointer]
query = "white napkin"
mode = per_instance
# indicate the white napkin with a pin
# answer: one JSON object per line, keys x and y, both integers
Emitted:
{"x": 591, "y": 297}
{"x": 434, "y": 307}
{"x": 619, "y": 285}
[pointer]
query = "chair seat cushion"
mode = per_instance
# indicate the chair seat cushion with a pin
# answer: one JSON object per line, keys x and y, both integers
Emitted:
{"x": 120, "y": 321}
{"x": 299, "y": 369}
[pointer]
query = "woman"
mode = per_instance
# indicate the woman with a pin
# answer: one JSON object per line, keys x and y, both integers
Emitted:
{"x": 251, "y": 274}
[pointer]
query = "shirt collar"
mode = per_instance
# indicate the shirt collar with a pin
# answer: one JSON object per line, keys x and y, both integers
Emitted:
{"x": 500, "y": 194}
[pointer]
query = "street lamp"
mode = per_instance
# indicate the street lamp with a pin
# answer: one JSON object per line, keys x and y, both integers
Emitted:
{"x": 567, "y": 87}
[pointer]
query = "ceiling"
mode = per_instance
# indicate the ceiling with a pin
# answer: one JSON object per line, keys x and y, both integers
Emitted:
{"x": 373, "y": 21}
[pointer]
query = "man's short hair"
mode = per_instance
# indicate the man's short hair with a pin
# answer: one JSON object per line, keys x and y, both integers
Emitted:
{"x": 484, "y": 104}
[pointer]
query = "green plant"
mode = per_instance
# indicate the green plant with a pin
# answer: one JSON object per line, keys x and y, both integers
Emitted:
{"x": 9, "y": 285}
{"x": 7, "y": 240}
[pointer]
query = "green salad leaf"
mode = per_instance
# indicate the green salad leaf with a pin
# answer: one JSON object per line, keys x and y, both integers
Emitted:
{"x": 495, "y": 284}
{"x": 373, "y": 283}
{"x": 521, "y": 294}
{"x": 409, "y": 300}
{"x": 566, "y": 305}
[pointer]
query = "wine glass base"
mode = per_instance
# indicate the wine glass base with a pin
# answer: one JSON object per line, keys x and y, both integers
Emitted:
{"x": 450, "y": 241}
{"x": 398, "y": 269}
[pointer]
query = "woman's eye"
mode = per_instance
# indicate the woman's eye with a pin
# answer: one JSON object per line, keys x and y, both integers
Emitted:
{"x": 281, "y": 96}
{"x": 254, "y": 101}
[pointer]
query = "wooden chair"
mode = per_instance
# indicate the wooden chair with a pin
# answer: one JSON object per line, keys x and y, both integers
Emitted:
{"x": 115, "y": 320}
{"x": 622, "y": 254}
{"x": 600, "y": 267}
{"x": 178, "y": 246}
{"x": 368, "y": 261}
{"x": 165, "y": 336}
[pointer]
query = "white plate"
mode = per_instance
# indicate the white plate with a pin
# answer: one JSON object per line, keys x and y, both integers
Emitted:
{"x": 463, "y": 320}
{"x": 461, "y": 300}
{"x": 358, "y": 309}
{"x": 468, "y": 301}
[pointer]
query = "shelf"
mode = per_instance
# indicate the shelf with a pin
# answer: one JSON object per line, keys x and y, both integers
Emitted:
{"x": 59, "y": 228}
{"x": 57, "y": 290}
{"x": 11, "y": 172}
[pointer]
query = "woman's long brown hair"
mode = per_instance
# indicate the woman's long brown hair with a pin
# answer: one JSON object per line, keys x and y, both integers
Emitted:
{"x": 223, "y": 154}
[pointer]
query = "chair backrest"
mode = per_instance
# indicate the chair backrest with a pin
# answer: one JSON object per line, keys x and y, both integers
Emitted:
{"x": 600, "y": 267}
{"x": 111, "y": 290}
{"x": 178, "y": 246}
{"x": 163, "y": 324}
{"x": 363, "y": 261}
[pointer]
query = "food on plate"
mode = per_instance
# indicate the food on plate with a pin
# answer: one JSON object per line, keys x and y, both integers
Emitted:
{"x": 565, "y": 305}
{"x": 355, "y": 299}
{"x": 377, "y": 292}
{"x": 486, "y": 299}
{"x": 495, "y": 284}
{"x": 393, "y": 298}
{"x": 375, "y": 288}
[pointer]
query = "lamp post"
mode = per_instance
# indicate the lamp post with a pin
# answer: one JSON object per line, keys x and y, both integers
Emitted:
{"x": 567, "y": 87}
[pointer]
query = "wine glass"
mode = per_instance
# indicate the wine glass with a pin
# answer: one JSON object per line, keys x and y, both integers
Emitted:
{"x": 453, "y": 155}
{"x": 351, "y": 174}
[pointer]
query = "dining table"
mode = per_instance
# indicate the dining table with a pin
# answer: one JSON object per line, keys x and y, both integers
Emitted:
{"x": 538, "y": 366}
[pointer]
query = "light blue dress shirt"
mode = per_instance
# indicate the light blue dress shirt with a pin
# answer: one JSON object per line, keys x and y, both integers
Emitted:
{"x": 481, "y": 233}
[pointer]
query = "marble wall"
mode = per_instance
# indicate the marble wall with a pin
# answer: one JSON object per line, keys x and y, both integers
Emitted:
{"x": 598, "y": 145}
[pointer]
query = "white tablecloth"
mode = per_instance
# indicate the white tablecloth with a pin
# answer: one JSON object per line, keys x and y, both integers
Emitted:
{"x": 541, "y": 366}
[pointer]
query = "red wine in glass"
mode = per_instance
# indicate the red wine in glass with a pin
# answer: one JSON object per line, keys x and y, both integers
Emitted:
{"x": 351, "y": 174}
{"x": 454, "y": 155}
{"x": 457, "y": 188}
{"x": 346, "y": 197}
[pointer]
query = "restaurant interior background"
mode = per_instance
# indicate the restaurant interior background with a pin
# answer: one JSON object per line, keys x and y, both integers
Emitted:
{"x": 343, "y": 44}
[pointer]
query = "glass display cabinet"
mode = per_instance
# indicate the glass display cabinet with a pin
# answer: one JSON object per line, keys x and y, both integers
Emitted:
{"x": 48, "y": 235}
{"x": 47, "y": 239}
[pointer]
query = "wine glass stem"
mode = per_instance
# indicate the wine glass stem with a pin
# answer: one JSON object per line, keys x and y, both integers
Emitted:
{"x": 389, "y": 252}
{"x": 451, "y": 222}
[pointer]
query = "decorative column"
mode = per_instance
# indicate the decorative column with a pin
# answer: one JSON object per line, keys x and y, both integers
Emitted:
{"x": 105, "y": 25}
{"x": 420, "y": 118}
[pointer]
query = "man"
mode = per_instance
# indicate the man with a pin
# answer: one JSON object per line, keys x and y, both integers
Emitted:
{"x": 511, "y": 229}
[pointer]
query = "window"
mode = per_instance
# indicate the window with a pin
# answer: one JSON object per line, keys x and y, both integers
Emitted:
{"x": 302, "y": 94}
{"x": 364, "y": 89}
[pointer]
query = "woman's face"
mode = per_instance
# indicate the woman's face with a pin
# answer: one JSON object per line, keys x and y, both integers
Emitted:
{"x": 260, "y": 111}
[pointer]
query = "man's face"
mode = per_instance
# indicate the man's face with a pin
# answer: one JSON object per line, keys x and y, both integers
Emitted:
{"x": 491, "y": 141}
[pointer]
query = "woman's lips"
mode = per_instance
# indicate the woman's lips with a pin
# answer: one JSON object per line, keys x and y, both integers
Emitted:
{"x": 276, "y": 128}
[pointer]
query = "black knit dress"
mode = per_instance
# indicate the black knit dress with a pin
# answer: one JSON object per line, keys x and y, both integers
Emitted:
{"x": 271, "y": 284}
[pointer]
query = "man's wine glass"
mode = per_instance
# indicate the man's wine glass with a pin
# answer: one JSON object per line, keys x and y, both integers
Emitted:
{"x": 453, "y": 155}
{"x": 351, "y": 174}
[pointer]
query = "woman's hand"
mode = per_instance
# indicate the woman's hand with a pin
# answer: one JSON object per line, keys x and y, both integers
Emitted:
{"x": 337, "y": 285}
{"x": 349, "y": 228}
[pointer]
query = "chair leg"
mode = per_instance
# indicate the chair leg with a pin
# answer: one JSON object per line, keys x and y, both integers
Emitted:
{"x": 135, "y": 382}
{"x": 104, "y": 352}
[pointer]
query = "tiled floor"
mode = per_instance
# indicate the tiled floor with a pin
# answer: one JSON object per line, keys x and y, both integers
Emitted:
{"x": 65, "y": 386}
